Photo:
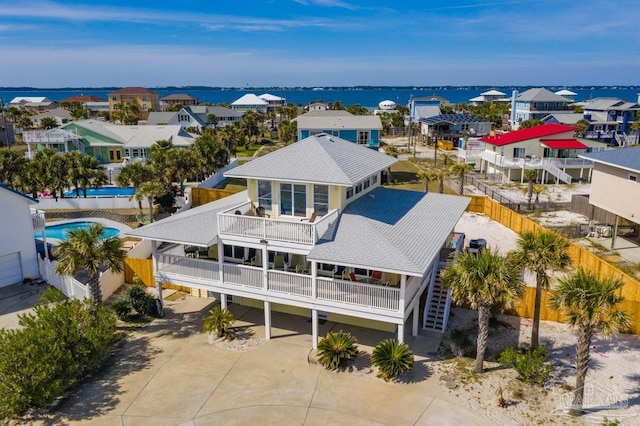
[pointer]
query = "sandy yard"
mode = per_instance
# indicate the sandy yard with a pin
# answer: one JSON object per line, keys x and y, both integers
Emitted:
{"x": 613, "y": 374}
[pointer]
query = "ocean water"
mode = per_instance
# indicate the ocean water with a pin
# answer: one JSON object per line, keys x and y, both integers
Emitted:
{"x": 368, "y": 97}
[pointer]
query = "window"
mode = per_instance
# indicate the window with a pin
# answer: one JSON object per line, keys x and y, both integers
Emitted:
{"x": 363, "y": 137}
{"x": 118, "y": 155}
{"x": 114, "y": 98}
{"x": 144, "y": 107}
{"x": 293, "y": 199}
{"x": 518, "y": 152}
{"x": 321, "y": 199}
{"x": 359, "y": 188}
{"x": 365, "y": 184}
{"x": 633, "y": 178}
{"x": 264, "y": 195}
{"x": 144, "y": 98}
{"x": 374, "y": 179}
{"x": 349, "y": 192}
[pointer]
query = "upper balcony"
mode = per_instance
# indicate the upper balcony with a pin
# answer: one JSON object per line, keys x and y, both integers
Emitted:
{"x": 241, "y": 221}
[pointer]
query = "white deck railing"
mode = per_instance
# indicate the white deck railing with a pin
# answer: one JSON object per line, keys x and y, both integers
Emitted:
{"x": 242, "y": 275}
{"x": 354, "y": 293}
{"x": 288, "y": 282}
{"x": 277, "y": 229}
{"x": 189, "y": 267}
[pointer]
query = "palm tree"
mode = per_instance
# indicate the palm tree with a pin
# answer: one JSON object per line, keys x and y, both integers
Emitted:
{"x": 538, "y": 252}
{"x": 11, "y": 164}
{"x": 210, "y": 152}
{"x": 149, "y": 190}
{"x": 530, "y": 175}
{"x": 134, "y": 174}
{"x": 582, "y": 127}
{"x": 425, "y": 177}
{"x": 485, "y": 281}
{"x": 461, "y": 169}
{"x": 48, "y": 123}
{"x": 88, "y": 250}
{"x": 440, "y": 176}
{"x": 589, "y": 304}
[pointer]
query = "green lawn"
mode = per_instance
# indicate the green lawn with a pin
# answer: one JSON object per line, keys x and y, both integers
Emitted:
{"x": 241, "y": 151}
{"x": 233, "y": 184}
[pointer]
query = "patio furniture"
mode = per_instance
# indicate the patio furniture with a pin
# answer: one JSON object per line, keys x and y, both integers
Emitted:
{"x": 303, "y": 268}
{"x": 310, "y": 219}
{"x": 339, "y": 271}
{"x": 352, "y": 276}
{"x": 376, "y": 276}
{"x": 278, "y": 262}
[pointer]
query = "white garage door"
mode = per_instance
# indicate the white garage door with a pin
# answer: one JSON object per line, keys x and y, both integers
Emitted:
{"x": 10, "y": 270}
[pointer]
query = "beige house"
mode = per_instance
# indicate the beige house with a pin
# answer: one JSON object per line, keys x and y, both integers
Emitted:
{"x": 551, "y": 149}
{"x": 615, "y": 184}
{"x": 147, "y": 100}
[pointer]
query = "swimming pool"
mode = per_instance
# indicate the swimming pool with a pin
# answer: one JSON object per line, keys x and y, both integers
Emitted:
{"x": 60, "y": 231}
{"x": 103, "y": 191}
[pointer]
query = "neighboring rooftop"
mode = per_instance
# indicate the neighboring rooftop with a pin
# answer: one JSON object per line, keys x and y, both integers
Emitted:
{"x": 452, "y": 119}
{"x": 337, "y": 119}
{"x": 250, "y": 99}
{"x": 540, "y": 94}
{"x": 178, "y": 97}
{"x": 20, "y": 194}
{"x": 526, "y": 134}
{"x": 29, "y": 99}
{"x": 320, "y": 158}
{"x": 133, "y": 91}
{"x": 624, "y": 158}
{"x": 83, "y": 99}
{"x": 492, "y": 92}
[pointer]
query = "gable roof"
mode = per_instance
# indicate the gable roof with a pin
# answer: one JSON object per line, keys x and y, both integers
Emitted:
{"x": 178, "y": 97}
{"x": 492, "y": 92}
{"x": 84, "y": 98}
{"x": 570, "y": 118}
{"x": 605, "y": 104}
{"x": 540, "y": 94}
{"x": 197, "y": 226}
{"x": 526, "y": 134}
{"x": 250, "y": 99}
{"x": 136, "y": 136}
{"x": 29, "y": 99}
{"x": 330, "y": 119}
{"x": 320, "y": 158}
{"x": 54, "y": 113}
{"x": 218, "y": 111}
{"x": 19, "y": 194}
{"x": 391, "y": 229}
{"x": 269, "y": 97}
{"x": 563, "y": 144}
{"x": 565, "y": 92}
{"x": 157, "y": 117}
{"x": 623, "y": 158}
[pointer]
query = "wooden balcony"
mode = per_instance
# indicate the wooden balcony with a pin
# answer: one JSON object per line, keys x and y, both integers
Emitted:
{"x": 291, "y": 230}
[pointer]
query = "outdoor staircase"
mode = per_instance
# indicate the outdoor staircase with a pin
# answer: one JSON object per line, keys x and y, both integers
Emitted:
{"x": 555, "y": 171}
{"x": 623, "y": 139}
{"x": 436, "y": 309}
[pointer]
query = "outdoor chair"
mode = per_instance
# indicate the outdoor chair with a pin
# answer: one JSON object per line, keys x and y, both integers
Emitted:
{"x": 352, "y": 276}
{"x": 338, "y": 271}
{"x": 303, "y": 268}
{"x": 376, "y": 276}
{"x": 310, "y": 219}
{"x": 278, "y": 262}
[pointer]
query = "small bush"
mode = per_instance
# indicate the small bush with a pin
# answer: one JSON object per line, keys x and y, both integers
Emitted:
{"x": 336, "y": 348}
{"x": 51, "y": 295}
{"x": 219, "y": 320}
{"x": 122, "y": 308}
{"x": 392, "y": 358}
{"x": 461, "y": 344}
{"x": 56, "y": 345}
{"x": 531, "y": 364}
{"x": 141, "y": 302}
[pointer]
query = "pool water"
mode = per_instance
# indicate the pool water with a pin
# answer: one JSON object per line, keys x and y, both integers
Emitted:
{"x": 103, "y": 191}
{"x": 60, "y": 231}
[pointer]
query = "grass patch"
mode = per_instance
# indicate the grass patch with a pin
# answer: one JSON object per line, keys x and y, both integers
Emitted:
{"x": 241, "y": 151}
{"x": 233, "y": 184}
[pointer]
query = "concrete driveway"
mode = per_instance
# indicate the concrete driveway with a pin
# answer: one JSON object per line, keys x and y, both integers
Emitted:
{"x": 18, "y": 299}
{"x": 167, "y": 373}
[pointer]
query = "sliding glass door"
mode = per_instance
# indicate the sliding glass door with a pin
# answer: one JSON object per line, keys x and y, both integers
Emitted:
{"x": 293, "y": 199}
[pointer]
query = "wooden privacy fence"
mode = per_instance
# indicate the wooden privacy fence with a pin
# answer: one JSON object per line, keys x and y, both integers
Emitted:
{"x": 200, "y": 196}
{"x": 143, "y": 268}
{"x": 580, "y": 256}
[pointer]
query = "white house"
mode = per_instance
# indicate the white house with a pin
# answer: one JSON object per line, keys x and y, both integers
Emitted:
{"x": 250, "y": 102}
{"x": 316, "y": 235}
{"x": 18, "y": 257}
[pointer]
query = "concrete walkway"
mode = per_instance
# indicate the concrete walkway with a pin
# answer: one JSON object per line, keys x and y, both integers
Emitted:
{"x": 167, "y": 373}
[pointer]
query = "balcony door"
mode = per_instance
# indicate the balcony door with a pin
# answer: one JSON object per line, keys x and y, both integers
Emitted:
{"x": 293, "y": 199}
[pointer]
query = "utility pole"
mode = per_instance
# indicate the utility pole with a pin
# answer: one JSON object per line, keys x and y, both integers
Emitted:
{"x": 4, "y": 124}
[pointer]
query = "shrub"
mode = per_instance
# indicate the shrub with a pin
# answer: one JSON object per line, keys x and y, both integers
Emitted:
{"x": 219, "y": 320}
{"x": 460, "y": 342}
{"x": 392, "y": 358}
{"x": 56, "y": 345}
{"x": 335, "y": 348}
{"x": 122, "y": 308}
{"x": 141, "y": 301}
{"x": 51, "y": 295}
{"x": 531, "y": 364}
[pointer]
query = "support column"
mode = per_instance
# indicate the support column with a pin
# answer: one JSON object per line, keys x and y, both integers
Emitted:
{"x": 314, "y": 280}
{"x": 154, "y": 257}
{"x": 265, "y": 267}
{"x": 314, "y": 328}
{"x": 614, "y": 232}
{"x": 267, "y": 320}
{"x": 223, "y": 297}
{"x": 416, "y": 317}
{"x": 401, "y": 333}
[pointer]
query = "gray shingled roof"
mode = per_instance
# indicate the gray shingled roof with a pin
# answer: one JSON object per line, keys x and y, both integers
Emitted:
{"x": 324, "y": 120}
{"x": 197, "y": 226}
{"x": 391, "y": 229}
{"x": 540, "y": 94}
{"x": 624, "y": 158}
{"x": 605, "y": 104}
{"x": 157, "y": 117}
{"x": 320, "y": 159}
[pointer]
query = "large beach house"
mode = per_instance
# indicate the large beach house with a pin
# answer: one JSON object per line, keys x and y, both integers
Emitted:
{"x": 316, "y": 235}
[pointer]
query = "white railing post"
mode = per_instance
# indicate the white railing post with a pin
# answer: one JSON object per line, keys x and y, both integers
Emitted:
{"x": 314, "y": 280}
{"x": 403, "y": 290}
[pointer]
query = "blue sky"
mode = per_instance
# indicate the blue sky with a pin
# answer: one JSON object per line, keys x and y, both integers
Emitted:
{"x": 239, "y": 43}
